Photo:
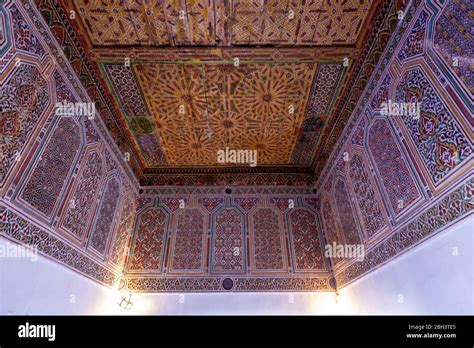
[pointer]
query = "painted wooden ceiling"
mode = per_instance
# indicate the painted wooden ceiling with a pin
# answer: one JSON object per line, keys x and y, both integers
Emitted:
{"x": 190, "y": 78}
{"x": 223, "y": 23}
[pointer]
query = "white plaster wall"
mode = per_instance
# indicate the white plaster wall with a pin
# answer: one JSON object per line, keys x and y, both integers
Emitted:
{"x": 429, "y": 277}
{"x": 42, "y": 286}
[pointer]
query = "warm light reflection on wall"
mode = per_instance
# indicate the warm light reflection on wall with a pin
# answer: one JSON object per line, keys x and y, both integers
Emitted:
{"x": 110, "y": 304}
{"x": 326, "y": 304}
{"x": 318, "y": 303}
{"x": 119, "y": 301}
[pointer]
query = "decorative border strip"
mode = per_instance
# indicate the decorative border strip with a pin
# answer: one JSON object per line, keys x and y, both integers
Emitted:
{"x": 221, "y": 190}
{"x": 454, "y": 206}
{"x": 234, "y": 179}
{"x": 216, "y": 54}
{"x": 223, "y": 284}
{"x": 22, "y": 231}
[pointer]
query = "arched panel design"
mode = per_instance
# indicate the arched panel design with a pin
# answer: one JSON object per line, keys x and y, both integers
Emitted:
{"x": 246, "y": 203}
{"x": 381, "y": 96}
{"x": 306, "y": 246}
{"x": 370, "y": 207}
{"x": 329, "y": 182}
{"x": 330, "y": 227}
{"x": 210, "y": 203}
{"x": 24, "y": 98}
{"x": 188, "y": 242}
{"x": 342, "y": 162}
{"x": 228, "y": 241}
{"x": 110, "y": 163}
{"x": 149, "y": 241}
{"x": 102, "y": 231}
{"x": 268, "y": 250}
{"x": 47, "y": 180}
{"x": 124, "y": 230}
{"x": 392, "y": 168}
{"x": 82, "y": 202}
{"x": 359, "y": 134}
{"x": 63, "y": 91}
{"x": 347, "y": 218}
